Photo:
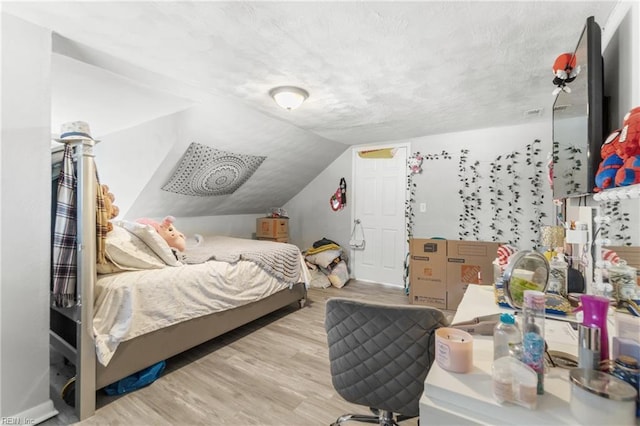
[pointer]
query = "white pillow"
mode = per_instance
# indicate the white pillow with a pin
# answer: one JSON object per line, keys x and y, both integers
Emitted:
{"x": 324, "y": 258}
{"x": 339, "y": 275}
{"x": 150, "y": 236}
{"x": 318, "y": 279}
{"x": 129, "y": 252}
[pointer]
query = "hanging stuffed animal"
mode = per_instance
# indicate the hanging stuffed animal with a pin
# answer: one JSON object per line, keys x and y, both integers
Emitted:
{"x": 565, "y": 71}
{"x": 415, "y": 163}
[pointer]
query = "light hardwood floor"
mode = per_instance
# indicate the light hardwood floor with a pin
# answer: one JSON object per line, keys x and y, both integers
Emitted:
{"x": 274, "y": 371}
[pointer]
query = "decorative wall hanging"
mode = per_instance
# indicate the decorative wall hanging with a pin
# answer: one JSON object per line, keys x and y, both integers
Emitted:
{"x": 470, "y": 193}
{"x": 415, "y": 163}
{"x": 536, "y": 188}
{"x": 571, "y": 155}
{"x": 338, "y": 200}
{"x": 617, "y": 231}
{"x": 510, "y": 187}
{"x": 204, "y": 171}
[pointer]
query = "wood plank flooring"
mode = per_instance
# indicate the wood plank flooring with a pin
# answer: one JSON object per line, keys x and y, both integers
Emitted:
{"x": 274, "y": 371}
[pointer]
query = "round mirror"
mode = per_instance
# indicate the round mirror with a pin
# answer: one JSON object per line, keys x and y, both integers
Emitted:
{"x": 527, "y": 270}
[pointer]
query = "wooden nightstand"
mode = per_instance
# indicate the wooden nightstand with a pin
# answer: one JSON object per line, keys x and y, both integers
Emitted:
{"x": 272, "y": 229}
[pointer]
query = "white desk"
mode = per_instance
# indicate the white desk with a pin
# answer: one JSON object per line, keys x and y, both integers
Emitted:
{"x": 457, "y": 399}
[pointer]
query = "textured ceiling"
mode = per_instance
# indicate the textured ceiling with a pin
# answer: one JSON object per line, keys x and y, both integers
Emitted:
{"x": 376, "y": 71}
{"x": 152, "y": 77}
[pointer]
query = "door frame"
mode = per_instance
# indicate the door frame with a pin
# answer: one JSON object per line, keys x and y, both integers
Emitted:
{"x": 354, "y": 153}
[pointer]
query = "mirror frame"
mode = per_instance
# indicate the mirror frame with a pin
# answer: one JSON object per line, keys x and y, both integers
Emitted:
{"x": 516, "y": 263}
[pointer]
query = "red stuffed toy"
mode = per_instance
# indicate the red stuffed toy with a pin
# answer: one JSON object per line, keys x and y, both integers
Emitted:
{"x": 629, "y": 149}
{"x": 565, "y": 71}
{"x": 629, "y": 173}
{"x": 610, "y": 164}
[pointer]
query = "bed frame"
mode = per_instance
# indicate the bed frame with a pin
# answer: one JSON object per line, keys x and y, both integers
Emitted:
{"x": 72, "y": 328}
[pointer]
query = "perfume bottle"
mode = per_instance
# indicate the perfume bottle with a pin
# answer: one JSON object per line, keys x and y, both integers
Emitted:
{"x": 533, "y": 334}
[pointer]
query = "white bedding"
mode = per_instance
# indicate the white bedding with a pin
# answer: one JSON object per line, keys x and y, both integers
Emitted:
{"x": 133, "y": 303}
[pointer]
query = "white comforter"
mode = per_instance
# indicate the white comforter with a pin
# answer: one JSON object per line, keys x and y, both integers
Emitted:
{"x": 130, "y": 304}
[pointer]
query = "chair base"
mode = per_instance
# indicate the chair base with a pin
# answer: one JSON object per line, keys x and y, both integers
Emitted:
{"x": 379, "y": 417}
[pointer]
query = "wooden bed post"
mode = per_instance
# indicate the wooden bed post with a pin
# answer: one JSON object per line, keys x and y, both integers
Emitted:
{"x": 85, "y": 386}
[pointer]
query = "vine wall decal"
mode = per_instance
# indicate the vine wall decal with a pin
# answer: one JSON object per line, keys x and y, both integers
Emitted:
{"x": 537, "y": 181}
{"x": 504, "y": 187}
{"x": 414, "y": 166}
{"x": 618, "y": 226}
{"x": 572, "y": 157}
{"x": 514, "y": 211}
{"x": 496, "y": 200}
{"x": 465, "y": 217}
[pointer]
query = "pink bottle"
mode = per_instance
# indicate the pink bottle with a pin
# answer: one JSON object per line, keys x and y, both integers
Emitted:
{"x": 595, "y": 309}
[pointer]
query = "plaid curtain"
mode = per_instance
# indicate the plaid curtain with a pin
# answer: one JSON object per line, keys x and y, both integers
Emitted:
{"x": 64, "y": 266}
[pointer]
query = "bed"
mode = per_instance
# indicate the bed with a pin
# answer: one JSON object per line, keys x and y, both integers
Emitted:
{"x": 126, "y": 318}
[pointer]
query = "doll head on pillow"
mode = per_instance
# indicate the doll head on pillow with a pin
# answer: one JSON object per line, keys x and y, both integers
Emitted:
{"x": 171, "y": 235}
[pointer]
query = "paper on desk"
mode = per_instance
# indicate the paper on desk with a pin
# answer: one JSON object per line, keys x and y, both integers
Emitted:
{"x": 560, "y": 332}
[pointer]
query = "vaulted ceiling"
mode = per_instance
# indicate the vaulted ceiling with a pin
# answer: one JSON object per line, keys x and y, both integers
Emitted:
{"x": 375, "y": 71}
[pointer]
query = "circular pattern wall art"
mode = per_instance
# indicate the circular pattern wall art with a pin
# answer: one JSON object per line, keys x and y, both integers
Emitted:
{"x": 204, "y": 171}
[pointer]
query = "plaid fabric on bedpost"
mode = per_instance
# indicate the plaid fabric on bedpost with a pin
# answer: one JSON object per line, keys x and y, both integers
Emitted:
{"x": 102, "y": 222}
{"x": 64, "y": 266}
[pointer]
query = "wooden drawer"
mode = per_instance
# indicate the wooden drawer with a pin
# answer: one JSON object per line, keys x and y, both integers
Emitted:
{"x": 267, "y": 227}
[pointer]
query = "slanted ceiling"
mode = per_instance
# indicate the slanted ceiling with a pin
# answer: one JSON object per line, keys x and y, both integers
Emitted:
{"x": 375, "y": 71}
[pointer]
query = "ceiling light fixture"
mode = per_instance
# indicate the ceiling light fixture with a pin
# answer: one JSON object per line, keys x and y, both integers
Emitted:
{"x": 289, "y": 97}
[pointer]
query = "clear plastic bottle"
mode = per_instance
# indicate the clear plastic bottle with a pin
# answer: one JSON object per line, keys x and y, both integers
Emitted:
{"x": 506, "y": 336}
{"x": 533, "y": 345}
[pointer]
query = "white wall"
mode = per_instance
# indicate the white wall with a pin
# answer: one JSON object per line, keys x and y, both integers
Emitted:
{"x": 25, "y": 197}
{"x": 437, "y": 186}
{"x": 439, "y": 183}
{"x": 621, "y": 53}
{"x": 239, "y": 225}
{"x": 126, "y": 160}
{"x": 311, "y": 218}
{"x": 25, "y": 187}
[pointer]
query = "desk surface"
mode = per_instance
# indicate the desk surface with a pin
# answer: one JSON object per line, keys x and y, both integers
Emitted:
{"x": 452, "y": 398}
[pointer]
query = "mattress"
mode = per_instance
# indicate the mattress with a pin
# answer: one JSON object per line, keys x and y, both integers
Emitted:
{"x": 132, "y": 303}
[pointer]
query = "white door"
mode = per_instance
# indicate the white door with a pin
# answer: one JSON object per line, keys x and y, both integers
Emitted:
{"x": 379, "y": 196}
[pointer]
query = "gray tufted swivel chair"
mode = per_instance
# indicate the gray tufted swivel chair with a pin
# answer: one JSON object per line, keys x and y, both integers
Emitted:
{"x": 380, "y": 356}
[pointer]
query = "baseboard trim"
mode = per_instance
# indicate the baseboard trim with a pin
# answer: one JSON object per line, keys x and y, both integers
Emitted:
{"x": 35, "y": 415}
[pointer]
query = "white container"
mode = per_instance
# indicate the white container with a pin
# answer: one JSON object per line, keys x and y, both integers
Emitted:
{"x": 454, "y": 350}
{"x": 598, "y": 398}
{"x": 577, "y": 236}
{"x": 514, "y": 381}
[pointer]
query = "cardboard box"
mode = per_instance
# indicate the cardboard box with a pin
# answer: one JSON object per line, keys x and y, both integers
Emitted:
{"x": 269, "y": 227}
{"x": 427, "y": 272}
{"x": 468, "y": 262}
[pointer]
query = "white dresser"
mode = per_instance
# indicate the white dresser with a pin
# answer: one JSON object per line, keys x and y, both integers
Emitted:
{"x": 457, "y": 399}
